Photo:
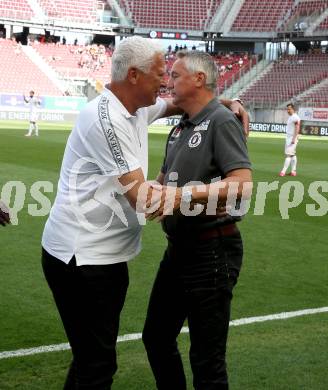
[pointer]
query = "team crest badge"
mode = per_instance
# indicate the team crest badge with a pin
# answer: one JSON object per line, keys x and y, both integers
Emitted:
{"x": 195, "y": 140}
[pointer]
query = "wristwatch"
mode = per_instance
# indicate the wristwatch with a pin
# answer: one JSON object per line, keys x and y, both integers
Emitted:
{"x": 239, "y": 101}
{"x": 186, "y": 195}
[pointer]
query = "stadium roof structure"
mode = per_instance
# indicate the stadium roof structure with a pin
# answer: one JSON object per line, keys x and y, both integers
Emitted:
{"x": 208, "y": 20}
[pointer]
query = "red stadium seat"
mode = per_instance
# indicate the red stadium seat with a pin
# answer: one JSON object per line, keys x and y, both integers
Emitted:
{"x": 82, "y": 11}
{"x": 258, "y": 15}
{"x": 19, "y": 74}
{"x": 290, "y": 76}
{"x": 16, "y": 9}
{"x": 170, "y": 13}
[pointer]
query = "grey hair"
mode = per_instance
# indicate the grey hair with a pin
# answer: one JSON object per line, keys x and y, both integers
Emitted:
{"x": 134, "y": 52}
{"x": 199, "y": 61}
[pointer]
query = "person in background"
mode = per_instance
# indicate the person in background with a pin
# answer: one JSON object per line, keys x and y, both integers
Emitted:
{"x": 33, "y": 102}
{"x": 292, "y": 134}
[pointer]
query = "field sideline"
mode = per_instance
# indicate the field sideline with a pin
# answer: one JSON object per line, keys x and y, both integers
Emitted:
{"x": 285, "y": 270}
{"x": 185, "y": 329}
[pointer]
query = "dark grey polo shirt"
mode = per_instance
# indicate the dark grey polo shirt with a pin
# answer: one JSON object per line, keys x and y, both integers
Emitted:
{"x": 202, "y": 148}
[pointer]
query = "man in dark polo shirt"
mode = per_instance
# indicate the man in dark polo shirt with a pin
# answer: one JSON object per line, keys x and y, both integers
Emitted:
{"x": 203, "y": 258}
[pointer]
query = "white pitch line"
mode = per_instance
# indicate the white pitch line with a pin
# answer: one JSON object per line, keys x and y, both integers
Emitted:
{"x": 137, "y": 336}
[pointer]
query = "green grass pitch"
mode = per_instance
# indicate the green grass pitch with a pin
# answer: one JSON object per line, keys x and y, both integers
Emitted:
{"x": 285, "y": 269}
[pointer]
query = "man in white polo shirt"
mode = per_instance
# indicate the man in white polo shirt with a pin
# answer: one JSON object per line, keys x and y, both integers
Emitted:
{"x": 33, "y": 102}
{"x": 93, "y": 228}
{"x": 292, "y": 134}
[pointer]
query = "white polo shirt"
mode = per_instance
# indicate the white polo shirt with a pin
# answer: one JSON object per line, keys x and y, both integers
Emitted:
{"x": 33, "y": 103}
{"x": 291, "y": 122}
{"x": 91, "y": 217}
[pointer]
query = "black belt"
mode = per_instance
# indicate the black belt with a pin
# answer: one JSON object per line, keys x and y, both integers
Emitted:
{"x": 215, "y": 232}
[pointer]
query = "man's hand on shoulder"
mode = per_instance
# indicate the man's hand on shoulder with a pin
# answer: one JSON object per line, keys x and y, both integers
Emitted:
{"x": 238, "y": 109}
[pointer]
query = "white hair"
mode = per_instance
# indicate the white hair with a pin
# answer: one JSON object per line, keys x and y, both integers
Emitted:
{"x": 134, "y": 52}
{"x": 198, "y": 61}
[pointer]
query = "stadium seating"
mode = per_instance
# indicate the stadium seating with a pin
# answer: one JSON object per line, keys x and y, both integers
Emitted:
{"x": 81, "y": 11}
{"x": 16, "y": 9}
{"x": 232, "y": 67}
{"x": 76, "y": 61}
{"x": 304, "y": 10}
{"x": 316, "y": 98}
{"x": 259, "y": 15}
{"x": 170, "y": 13}
{"x": 307, "y": 8}
{"x": 289, "y": 76}
{"x": 19, "y": 74}
{"x": 323, "y": 25}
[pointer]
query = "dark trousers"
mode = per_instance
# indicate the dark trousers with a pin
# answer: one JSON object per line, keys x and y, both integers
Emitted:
{"x": 89, "y": 299}
{"x": 194, "y": 282}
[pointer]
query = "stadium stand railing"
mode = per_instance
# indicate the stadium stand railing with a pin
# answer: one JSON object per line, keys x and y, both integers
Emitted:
{"x": 232, "y": 67}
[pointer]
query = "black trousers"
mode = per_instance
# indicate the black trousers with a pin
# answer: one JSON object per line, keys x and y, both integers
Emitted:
{"x": 194, "y": 282}
{"x": 89, "y": 299}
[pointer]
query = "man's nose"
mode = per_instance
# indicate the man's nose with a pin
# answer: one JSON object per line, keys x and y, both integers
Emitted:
{"x": 169, "y": 84}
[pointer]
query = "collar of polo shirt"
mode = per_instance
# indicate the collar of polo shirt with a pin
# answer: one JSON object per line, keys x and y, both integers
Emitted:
{"x": 202, "y": 115}
{"x": 123, "y": 109}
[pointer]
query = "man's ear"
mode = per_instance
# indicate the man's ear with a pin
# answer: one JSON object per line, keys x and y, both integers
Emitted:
{"x": 133, "y": 75}
{"x": 200, "y": 79}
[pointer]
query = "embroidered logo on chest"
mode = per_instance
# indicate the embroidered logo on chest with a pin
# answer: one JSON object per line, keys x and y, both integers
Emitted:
{"x": 202, "y": 126}
{"x": 176, "y": 134}
{"x": 195, "y": 140}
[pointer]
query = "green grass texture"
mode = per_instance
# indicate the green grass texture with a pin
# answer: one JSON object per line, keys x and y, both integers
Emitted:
{"x": 285, "y": 269}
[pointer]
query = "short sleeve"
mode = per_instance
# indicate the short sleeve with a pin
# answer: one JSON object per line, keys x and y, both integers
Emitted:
{"x": 164, "y": 165}
{"x": 156, "y": 111}
{"x": 296, "y": 118}
{"x": 230, "y": 150}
